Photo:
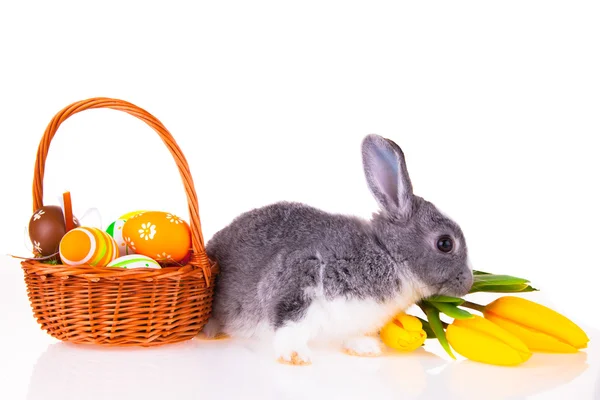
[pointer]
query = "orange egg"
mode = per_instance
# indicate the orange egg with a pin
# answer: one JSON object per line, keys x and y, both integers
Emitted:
{"x": 90, "y": 246}
{"x": 159, "y": 235}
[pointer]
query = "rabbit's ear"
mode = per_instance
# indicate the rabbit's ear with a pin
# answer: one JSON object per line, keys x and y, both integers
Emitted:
{"x": 387, "y": 176}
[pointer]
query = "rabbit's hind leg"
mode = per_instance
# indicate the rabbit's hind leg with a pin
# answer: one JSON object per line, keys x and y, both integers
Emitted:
{"x": 291, "y": 343}
{"x": 293, "y": 329}
{"x": 212, "y": 330}
{"x": 293, "y": 287}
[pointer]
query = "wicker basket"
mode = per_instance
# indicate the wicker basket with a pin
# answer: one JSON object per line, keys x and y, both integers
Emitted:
{"x": 114, "y": 307}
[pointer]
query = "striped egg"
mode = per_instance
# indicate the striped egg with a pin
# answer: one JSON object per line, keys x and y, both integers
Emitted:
{"x": 85, "y": 245}
{"x": 134, "y": 261}
{"x": 115, "y": 230}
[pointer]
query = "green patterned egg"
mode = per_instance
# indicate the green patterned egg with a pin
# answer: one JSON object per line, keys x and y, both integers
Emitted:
{"x": 134, "y": 261}
{"x": 115, "y": 230}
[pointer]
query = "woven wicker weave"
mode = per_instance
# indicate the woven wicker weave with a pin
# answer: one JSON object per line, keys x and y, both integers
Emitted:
{"x": 94, "y": 305}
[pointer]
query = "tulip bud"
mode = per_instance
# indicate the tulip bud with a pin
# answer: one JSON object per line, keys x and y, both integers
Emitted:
{"x": 404, "y": 332}
{"x": 539, "y": 327}
{"x": 481, "y": 340}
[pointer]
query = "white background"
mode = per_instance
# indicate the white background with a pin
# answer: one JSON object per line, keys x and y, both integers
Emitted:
{"x": 494, "y": 104}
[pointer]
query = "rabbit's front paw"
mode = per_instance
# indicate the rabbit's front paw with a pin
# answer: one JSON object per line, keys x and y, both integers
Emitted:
{"x": 364, "y": 346}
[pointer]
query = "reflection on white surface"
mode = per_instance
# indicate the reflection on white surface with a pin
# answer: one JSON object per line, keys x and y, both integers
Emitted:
{"x": 468, "y": 379}
{"x": 231, "y": 369}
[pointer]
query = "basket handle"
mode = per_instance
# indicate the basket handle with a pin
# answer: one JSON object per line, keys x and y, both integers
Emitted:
{"x": 199, "y": 256}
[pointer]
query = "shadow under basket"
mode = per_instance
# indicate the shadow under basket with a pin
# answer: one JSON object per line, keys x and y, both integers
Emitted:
{"x": 120, "y": 307}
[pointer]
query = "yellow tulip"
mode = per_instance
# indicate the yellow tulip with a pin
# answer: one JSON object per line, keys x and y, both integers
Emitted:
{"x": 539, "y": 327}
{"x": 481, "y": 340}
{"x": 404, "y": 332}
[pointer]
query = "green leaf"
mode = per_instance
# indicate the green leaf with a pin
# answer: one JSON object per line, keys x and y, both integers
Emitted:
{"x": 498, "y": 280}
{"x": 452, "y": 311}
{"x": 445, "y": 299}
{"x": 522, "y": 288}
{"x": 427, "y": 329}
{"x": 433, "y": 315}
{"x": 475, "y": 272}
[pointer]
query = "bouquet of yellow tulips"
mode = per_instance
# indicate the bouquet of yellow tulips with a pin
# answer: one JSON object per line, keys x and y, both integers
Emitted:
{"x": 508, "y": 331}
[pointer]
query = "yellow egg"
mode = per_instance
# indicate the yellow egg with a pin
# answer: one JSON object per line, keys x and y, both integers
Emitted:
{"x": 131, "y": 214}
{"x": 159, "y": 235}
{"x": 85, "y": 245}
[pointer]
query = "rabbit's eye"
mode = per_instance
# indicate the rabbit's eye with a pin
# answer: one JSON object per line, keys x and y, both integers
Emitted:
{"x": 445, "y": 244}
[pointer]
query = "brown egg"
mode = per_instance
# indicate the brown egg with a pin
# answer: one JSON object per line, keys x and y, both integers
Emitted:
{"x": 46, "y": 229}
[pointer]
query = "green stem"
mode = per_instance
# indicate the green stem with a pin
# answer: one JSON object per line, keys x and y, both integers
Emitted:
{"x": 433, "y": 317}
{"x": 473, "y": 306}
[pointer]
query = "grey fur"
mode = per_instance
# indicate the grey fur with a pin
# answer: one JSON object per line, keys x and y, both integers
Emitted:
{"x": 274, "y": 259}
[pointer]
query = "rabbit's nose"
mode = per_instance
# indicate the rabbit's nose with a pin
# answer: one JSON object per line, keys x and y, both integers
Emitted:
{"x": 467, "y": 280}
{"x": 462, "y": 282}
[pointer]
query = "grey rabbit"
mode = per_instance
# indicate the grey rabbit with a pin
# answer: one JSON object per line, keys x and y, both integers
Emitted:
{"x": 295, "y": 274}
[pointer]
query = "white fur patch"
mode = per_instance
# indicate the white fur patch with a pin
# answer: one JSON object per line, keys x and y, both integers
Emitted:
{"x": 343, "y": 318}
{"x": 363, "y": 346}
{"x": 291, "y": 343}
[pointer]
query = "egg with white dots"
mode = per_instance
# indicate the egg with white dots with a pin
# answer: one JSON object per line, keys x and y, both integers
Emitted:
{"x": 133, "y": 261}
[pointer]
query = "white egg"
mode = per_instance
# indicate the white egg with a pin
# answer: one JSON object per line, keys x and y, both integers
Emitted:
{"x": 134, "y": 261}
{"x": 115, "y": 230}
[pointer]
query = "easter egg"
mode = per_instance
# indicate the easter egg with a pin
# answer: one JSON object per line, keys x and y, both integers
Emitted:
{"x": 134, "y": 261}
{"x": 131, "y": 214}
{"x": 159, "y": 235}
{"x": 47, "y": 228}
{"x": 85, "y": 245}
{"x": 115, "y": 230}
